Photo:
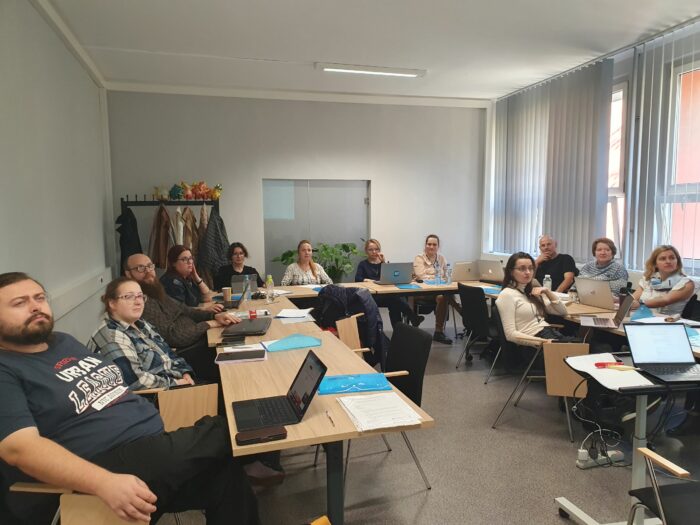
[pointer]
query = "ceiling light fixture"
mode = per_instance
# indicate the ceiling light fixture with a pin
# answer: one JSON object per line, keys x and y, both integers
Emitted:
{"x": 371, "y": 70}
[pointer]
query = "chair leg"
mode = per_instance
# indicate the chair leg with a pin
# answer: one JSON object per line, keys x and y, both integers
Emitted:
{"x": 493, "y": 365}
{"x": 568, "y": 419}
{"x": 316, "y": 455}
{"x": 345, "y": 470}
{"x": 633, "y": 512}
{"x": 525, "y": 373}
{"x": 57, "y": 516}
{"x": 388, "y": 447}
{"x": 464, "y": 350}
{"x": 415, "y": 459}
{"x": 454, "y": 321}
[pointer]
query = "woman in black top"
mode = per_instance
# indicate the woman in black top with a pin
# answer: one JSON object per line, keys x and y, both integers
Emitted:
{"x": 237, "y": 254}
{"x": 183, "y": 283}
{"x": 370, "y": 270}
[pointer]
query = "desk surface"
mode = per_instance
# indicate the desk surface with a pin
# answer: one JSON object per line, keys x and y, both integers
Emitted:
{"x": 273, "y": 377}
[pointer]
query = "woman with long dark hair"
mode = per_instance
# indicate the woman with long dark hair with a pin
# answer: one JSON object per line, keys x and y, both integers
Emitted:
{"x": 183, "y": 283}
{"x": 523, "y": 304}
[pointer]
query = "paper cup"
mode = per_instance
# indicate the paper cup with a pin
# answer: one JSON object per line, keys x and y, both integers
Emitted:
{"x": 226, "y": 291}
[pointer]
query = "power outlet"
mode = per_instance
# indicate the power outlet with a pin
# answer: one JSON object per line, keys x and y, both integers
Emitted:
{"x": 584, "y": 461}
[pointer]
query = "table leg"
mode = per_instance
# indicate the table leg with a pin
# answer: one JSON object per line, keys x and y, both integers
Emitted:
{"x": 334, "y": 482}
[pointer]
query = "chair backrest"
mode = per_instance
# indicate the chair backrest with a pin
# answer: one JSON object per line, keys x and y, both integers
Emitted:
{"x": 182, "y": 407}
{"x": 348, "y": 331}
{"x": 689, "y": 310}
{"x": 409, "y": 350}
{"x": 499, "y": 328}
{"x": 560, "y": 378}
{"x": 475, "y": 313}
{"x": 78, "y": 509}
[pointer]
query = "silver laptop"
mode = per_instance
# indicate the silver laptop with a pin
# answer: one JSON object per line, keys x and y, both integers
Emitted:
{"x": 606, "y": 322}
{"x": 663, "y": 350}
{"x": 594, "y": 293}
{"x": 395, "y": 273}
{"x": 237, "y": 283}
{"x": 490, "y": 271}
{"x": 466, "y": 271}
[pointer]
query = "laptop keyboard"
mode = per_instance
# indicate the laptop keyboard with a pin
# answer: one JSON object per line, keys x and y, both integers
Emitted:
{"x": 599, "y": 321}
{"x": 674, "y": 369}
{"x": 276, "y": 410}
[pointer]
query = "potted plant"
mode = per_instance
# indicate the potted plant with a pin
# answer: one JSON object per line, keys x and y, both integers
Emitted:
{"x": 336, "y": 259}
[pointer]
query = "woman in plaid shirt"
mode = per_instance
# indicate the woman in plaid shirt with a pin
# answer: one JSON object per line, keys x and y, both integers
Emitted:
{"x": 144, "y": 358}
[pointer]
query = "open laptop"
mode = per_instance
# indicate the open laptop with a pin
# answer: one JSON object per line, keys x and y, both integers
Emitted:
{"x": 282, "y": 410}
{"x": 663, "y": 350}
{"x": 606, "y": 322}
{"x": 490, "y": 272}
{"x": 465, "y": 271}
{"x": 257, "y": 326}
{"x": 395, "y": 273}
{"x": 594, "y": 293}
{"x": 235, "y": 303}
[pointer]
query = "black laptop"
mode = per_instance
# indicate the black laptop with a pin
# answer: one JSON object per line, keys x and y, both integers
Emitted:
{"x": 663, "y": 350}
{"x": 257, "y": 326}
{"x": 235, "y": 303}
{"x": 282, "y": 410}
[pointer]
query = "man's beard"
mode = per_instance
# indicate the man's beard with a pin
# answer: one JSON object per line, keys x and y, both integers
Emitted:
{"x": 153, "y": 290}
{"x": 28, "y": 335}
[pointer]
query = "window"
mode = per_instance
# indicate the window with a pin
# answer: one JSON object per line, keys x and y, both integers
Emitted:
{"x": 615, "y": 209}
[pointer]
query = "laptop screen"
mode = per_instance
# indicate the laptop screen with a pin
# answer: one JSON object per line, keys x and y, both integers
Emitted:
{"x": 306, "y": 383}
{"x": 659, "y": 343}
{"x": 625, "y": 306}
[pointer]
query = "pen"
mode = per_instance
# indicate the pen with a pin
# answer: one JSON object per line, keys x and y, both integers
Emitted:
{"x": 330, "y": 418}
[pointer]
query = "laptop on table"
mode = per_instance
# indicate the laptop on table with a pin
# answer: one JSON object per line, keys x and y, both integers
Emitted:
{"x": 288, "y": 409}
{"x": 395, "y": 273}
{"x": 594, "y": 293}
{"x": 491, "y": 272}
{"x": 465, "y": 271}
{"x": 663, "y": 351}
{"x": 257, "y": 326}
{"x": 606, "y": 322}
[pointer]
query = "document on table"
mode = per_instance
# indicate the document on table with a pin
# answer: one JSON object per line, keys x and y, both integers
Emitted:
{"x": 311, "y": 286}
{"x": 609, "y": 378}
{"x": 662, "y": 319}
{"x": 375, "y": 411}
{"x": 293, "y": 313}
{"x": 294, "y": 320}
{"x": 282, "y": 292}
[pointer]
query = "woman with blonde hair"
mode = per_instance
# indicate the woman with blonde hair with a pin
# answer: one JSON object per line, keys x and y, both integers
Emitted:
{"x": 664, "y": 288}
{"x": 305, "y": 270}
{"x": 604, "y": 267}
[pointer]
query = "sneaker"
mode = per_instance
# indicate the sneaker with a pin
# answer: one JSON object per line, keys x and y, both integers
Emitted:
{"x": 417, "y": 320}
{"x": 440, "y": 337}
{"x": 651, "y": 406}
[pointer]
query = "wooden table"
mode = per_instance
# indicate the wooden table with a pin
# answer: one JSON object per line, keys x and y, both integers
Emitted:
{"x": 325, "y": 421}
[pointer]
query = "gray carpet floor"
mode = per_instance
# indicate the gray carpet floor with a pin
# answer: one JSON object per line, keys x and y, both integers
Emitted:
{"x": 479, "y": 475}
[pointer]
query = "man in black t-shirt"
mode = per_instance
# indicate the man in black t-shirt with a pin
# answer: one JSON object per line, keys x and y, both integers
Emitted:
{"x": 68, "y": 419}
{"x": 559, "y": 266}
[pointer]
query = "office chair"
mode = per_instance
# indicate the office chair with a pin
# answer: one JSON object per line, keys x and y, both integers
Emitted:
{"x": 689, "y": 310}
{"x": 673, "y": 504}
{"x": 477, "y": 323}
{"x": 427, "y": 306}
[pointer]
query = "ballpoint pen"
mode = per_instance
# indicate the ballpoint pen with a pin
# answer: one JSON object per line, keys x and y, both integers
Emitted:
{"x": 330, "y": 418}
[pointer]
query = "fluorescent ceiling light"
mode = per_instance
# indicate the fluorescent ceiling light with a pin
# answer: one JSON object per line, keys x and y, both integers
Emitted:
{"x": 371, "y": 70}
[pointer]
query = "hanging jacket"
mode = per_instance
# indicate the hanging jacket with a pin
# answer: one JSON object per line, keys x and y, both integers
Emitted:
{"x": 212, "y": 248}
{"x": 190, "y": 236}
{"x": 129, "y": 242}
{"x": 160, "y": 240}
{"x": 338, "y": 302}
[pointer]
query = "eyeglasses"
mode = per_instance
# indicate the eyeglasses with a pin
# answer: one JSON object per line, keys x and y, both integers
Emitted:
{"x": 132, "y": 297}
{"x": 238, "y": 254}
{"x": 143, "y": 268}
{"x": 186, "y": 259}
{"x": 525, "y": 269}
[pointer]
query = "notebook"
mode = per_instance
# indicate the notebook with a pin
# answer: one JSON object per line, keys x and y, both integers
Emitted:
{"x": 465, "y": 271}
{"x": 663, "y": 351}
{"x": 256, "y": 326}
{"x": 395, "y": 273}
{"x": 490, "y": 271}
{"x": 606, "y": 322}
{"x": 594, "y": 293}
{"x": 282, "y": 410}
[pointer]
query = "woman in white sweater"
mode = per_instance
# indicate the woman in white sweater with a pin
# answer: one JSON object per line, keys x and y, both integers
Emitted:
{"x": 523, "y": 304}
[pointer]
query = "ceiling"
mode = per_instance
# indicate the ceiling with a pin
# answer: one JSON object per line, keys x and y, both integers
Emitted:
{"x": 470, "y": 49}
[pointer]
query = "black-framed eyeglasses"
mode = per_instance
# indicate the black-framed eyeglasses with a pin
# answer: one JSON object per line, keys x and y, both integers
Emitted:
{"x": 143, "y": 268}
{"x": 186, "y": 259}
{"x": 132, "y": 297}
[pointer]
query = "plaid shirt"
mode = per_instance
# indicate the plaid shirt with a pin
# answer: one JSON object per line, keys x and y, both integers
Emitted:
{"x": 144, "y": 358}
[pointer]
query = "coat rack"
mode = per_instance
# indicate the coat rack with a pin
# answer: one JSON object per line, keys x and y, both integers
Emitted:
{"x": 126, "y": 203}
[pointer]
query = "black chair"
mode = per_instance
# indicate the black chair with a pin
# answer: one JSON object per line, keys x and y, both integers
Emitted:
{"x": 673, "y": 504}
{"x": 477, "y": 323}
{"x": 689, "y": 310}
{"x": 409, "y": 350}
{"x": 427, "y": 306}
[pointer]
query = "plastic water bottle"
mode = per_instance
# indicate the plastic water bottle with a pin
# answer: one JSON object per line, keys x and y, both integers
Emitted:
{"x": 573, "y": 294}
{"x": 448, "y": 274}
{"x": 437, "y": 272}
{"x": 547, "y": 282}
{"x": 246, "y": 287}
{"x": 269, "y": 289}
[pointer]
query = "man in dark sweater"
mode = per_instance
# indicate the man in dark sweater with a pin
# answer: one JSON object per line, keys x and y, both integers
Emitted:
{"x": 559, "y": 266}
{"x": 68, "y": 419}
{"x": 183, "y": 327}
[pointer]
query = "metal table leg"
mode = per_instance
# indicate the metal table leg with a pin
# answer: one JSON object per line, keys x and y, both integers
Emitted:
{"x": 335, "y": 498}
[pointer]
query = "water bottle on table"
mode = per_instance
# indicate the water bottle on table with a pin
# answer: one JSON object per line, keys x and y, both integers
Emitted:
{"x": 448, "y": 274}
{"x": 436, "y": 266}
{"x": 269, "y": 289}
{"x": 547, "y": 282}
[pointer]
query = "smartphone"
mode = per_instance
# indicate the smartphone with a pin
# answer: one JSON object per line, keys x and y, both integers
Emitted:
{"x": 260, "y": 435}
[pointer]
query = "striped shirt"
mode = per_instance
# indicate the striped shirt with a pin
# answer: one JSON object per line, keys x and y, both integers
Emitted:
{"x": 144, "y": 358}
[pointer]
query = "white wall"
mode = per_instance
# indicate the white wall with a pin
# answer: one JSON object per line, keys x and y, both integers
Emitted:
{"x": 425, "y": 164}
{"x": 54, "y": 195}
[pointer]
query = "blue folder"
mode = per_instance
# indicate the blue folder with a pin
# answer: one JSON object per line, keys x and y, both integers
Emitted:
{"x": 353, "y": 383}
{"x": 408, "y": 286}
{"x": 492, "y": 291}
{"x": 293, "y": 342}
{"x": 693, "y": 335}
{"x": 642, "y": 312}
